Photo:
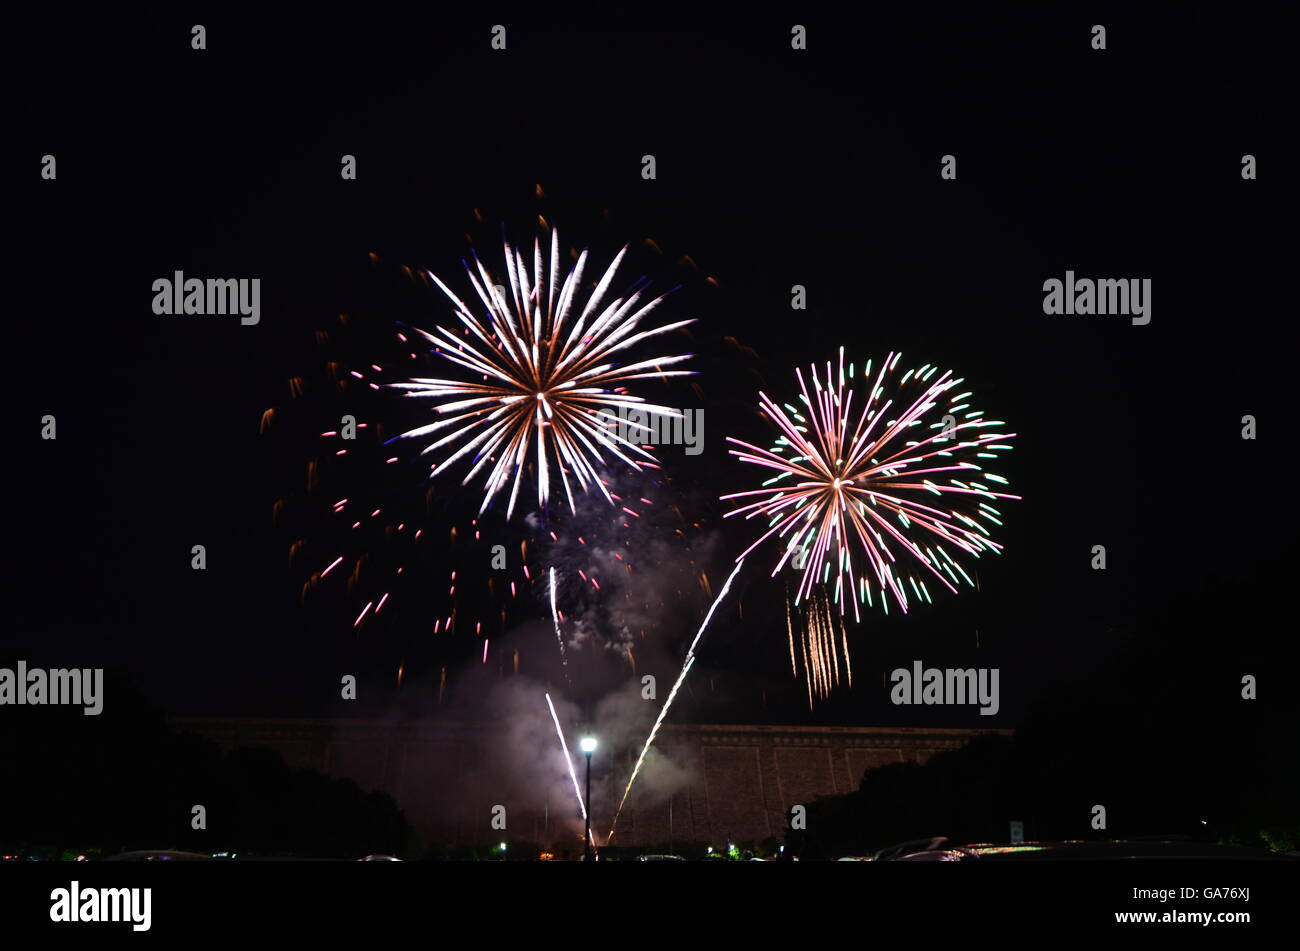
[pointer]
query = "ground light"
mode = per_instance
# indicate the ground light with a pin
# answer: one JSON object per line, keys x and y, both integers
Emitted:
{"x": 588, "y": 745}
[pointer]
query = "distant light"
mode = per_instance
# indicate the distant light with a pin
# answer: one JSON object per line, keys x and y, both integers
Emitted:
{"x": 709, "y": 850}
{"x": 587, "y": 744}
{"x": 503, "y": 846}
{"x": 782, "y": 849}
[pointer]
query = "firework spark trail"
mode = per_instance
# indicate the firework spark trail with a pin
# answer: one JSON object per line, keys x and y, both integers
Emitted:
{"x": 567, "y": 758}
{"x": 536, "y": 380}
{"x": 672, "y": 694}
{"x": 713, "y": 607}
{"x": 555, "y": 618}
{"x": 789, "y": 629}
{"x": 822, "y": 647}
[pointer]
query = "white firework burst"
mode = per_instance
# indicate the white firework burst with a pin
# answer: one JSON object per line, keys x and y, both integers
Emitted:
{"x": 551, "y": 387}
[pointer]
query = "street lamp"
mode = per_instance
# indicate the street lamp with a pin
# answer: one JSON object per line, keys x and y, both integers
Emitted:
{"x": 588, "y": 745}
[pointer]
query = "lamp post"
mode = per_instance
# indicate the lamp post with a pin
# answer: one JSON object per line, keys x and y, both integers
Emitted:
{"x": 588, "y": 746}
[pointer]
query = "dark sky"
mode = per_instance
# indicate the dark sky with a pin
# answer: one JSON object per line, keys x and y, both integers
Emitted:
{"x": 775, "y": 168}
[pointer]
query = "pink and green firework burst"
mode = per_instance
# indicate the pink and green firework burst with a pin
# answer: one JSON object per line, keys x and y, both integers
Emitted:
{"x": 883, "y": 482}
{"x": 547, "y": 376}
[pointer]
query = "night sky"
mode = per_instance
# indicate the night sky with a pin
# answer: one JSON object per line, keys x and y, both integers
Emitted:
{"x": 774, "y": 168}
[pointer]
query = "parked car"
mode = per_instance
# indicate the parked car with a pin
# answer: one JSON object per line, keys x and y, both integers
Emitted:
{"x": 1158, "y": 849}
{"x": 158, "y": 855}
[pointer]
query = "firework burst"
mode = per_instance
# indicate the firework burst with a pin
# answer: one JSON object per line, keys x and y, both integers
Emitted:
{"x": 881, "y": 483}
{"x": 549, "y": 387}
